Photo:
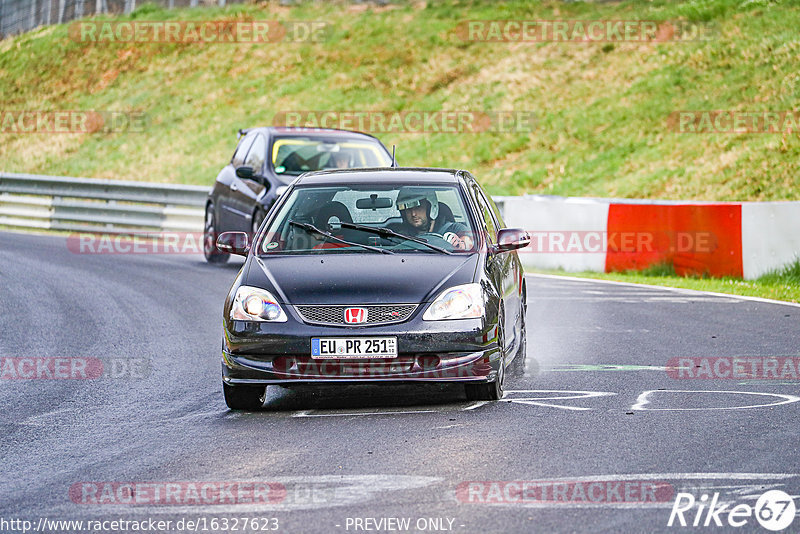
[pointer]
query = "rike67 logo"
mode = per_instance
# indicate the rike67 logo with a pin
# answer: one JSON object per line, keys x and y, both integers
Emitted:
{"x": 774, "y": 510}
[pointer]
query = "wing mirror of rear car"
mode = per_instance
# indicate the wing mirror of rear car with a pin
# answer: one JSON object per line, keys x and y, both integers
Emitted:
{"x": 245, "y": 172}
{"x": 509, "y": 239}
{"x": 248, "y": 173}
{"x": 233, "y": 243}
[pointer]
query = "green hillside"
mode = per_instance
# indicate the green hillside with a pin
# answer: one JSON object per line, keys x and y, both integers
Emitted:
{"x": 602, "y": 110}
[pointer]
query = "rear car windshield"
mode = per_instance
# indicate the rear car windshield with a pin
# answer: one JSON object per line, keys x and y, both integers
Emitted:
{"x": 374, "y": 206}
{"x": 295, "y": 155}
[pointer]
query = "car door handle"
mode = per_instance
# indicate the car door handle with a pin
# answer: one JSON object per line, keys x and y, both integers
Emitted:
{"x": 234, "y": 187}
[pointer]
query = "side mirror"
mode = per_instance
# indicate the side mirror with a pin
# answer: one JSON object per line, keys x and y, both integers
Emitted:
{"x": 509, "y": 239}
{"x": 246, "y": 173}
{"x": 233, "y": 243}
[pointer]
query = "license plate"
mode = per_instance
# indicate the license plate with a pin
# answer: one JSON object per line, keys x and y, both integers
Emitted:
{"x": 353, "y": 347}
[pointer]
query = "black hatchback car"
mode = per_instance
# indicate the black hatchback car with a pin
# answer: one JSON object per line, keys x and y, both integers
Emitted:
{"x": 375, "y": 275}
{"x": 265, "y": 161}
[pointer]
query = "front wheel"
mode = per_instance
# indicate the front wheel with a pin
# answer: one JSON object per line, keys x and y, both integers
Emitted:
{"x": 210, "y": 232}
{"x": 493, "y": 390}
{"x": 487, "y": 392}
{"x": 247, "y": 398}
{"x": 517, "y": 367}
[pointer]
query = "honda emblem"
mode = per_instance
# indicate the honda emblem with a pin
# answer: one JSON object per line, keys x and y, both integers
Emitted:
{"x": 355, "y": 315}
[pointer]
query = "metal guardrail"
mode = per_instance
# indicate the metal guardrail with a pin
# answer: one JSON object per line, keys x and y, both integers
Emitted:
{"x": 90, "y": 205}
{"x": 18, "y": 16}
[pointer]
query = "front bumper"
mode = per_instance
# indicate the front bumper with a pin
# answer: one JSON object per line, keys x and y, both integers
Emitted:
{"x": 463, "y": 350}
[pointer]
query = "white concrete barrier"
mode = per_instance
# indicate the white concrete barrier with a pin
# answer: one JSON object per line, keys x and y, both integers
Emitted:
{"x": 560, "y": 218}
{"x": 770, "y": 236}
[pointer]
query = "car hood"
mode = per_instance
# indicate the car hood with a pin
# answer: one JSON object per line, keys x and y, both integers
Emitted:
{"x": 360, "y": 278}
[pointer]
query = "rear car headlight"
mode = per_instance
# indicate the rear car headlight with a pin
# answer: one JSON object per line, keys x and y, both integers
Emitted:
{"x": 459, "y": 302}
{"x": 255, "y": 304}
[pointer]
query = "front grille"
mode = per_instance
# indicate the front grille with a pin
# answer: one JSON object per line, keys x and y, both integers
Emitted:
{"x": 334, "y": 315}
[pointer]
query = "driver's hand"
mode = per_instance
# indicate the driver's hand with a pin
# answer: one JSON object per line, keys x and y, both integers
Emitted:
{"x": 456, "y": 241}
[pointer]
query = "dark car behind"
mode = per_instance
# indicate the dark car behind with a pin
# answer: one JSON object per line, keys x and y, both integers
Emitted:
{"x": 265, "y": 162}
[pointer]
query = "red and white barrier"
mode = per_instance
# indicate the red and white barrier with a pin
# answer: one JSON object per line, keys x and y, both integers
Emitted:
{"x": 745, "y": 239}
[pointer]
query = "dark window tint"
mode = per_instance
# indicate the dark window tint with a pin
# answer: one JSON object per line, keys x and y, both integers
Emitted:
{"x": 241, "y": 150}
{"x": 487, "y": 216}
{"x": 257, "y": 154}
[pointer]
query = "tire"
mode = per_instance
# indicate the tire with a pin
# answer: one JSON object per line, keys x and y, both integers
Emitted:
{"x": 246, "y": 398}
{"x": 517, "y": 367}
{"x": 210, "y": 232}
{"x": 491, "y": 391}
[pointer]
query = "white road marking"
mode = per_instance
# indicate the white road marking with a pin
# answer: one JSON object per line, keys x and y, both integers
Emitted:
{"x": 643, "y": 400}
{"x": 389, "y": 411}
{"x": 307, "y": 413}
{"x": 599, "y": 367}
{"x": 536, "y": 401}
{"x": 629, "y": 299}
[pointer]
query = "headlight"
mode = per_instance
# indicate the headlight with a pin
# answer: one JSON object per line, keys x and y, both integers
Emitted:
{"x": 459, "y": 302}
{"x": 254, "y": 304}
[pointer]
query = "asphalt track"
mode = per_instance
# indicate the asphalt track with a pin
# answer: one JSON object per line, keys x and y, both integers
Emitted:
{"x": 597, "y": 406}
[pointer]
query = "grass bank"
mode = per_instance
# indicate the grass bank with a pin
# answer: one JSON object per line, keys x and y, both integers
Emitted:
{"x": 601, "y": 109}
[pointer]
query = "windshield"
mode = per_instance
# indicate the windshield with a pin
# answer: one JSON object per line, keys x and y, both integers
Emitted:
{"x": 295, "y": 155}
{"x": 367, "y": 218}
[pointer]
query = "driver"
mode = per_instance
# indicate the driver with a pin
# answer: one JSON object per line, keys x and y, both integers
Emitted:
{"x": 339, "y": 160}
{"x": 419, "y": 208}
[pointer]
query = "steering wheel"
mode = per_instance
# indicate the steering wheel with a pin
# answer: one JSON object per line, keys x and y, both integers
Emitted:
{"x": 437, "y": 237}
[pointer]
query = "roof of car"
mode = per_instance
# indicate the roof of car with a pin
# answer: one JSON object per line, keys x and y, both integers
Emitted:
{"x": 387, "y": 174}
{"x": 311, "y": 132}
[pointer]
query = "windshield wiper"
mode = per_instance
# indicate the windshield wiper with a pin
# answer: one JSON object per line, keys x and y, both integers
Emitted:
{"x": 308, "y": 227}
{"x": 386, "y": 232}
